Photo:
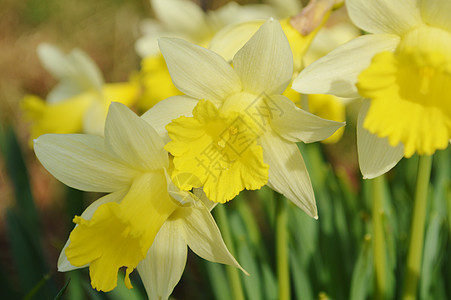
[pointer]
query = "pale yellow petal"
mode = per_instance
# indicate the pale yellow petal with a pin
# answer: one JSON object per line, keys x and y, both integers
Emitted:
{"x": 203, "y": 236}
{"x": 133, "y": 139}
{"x": 285, "y": 8}
{"x": 64, "y": 90}
{"x": 331, "y": 108}
{"x": 232, "y": 38}
{"x": 287, "y": 172}
{"x": 295, "y": 124}
{"x": 376, "y": 156}
{"x": 76, "y": 66}
{"x": 200, "y": 194}
{"x": 82, "y": 162}
{"x": 337, "y": 72}
{"x": 147, "y": 45}
{"x": 180, "y": 16}
{"x": 95, "y": 116}
{"x": 232, "y": 12}
{"x": 199, "y": 72}
{"x": 162, "y": 113}
{"x": 163, "y": 266}
{"x": 385, "y": 16}
{"x": 437, "y": 13}
{"x": 265, "y": 62}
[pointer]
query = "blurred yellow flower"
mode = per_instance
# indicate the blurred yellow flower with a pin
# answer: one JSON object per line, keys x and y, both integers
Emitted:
{"x": 79, "y": 103}
{"x": 155, "y": 81}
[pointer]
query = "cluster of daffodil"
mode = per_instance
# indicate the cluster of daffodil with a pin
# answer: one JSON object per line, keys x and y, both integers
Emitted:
{"x": 225, "y": 119}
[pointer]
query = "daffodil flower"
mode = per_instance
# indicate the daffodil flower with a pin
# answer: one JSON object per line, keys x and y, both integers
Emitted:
{"x": 144, "y": 221}
{"x": 79, "y": 102}
{"x": 402, "y": 69}
{"x": 244, "y": 129}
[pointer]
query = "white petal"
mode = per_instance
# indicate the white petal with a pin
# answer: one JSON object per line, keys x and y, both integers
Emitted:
{"x": 63, "y": 90}
{"x": 184, "y": 198}
{"x": 285, "y": 8}
{"x": 287, "y": 172}
{"x": 95, "y": 116}
{"x": 376, "y": 156}
{"x": 200, "y": 194}
{"x": 232, "y": 38}
{"x": 76, "y": 66}
{"x": 198, "y": 72}
{"x": 180, "y": 16}
{"x": 162, "y": 113}
{"x": 437, "y": 13}
{"x": 384, "y": 16}
{"x": 63, "y": 263}
{"x": 337, "y": 72}
{"x": 204, "y": 238}
{"x": 232, "y": 13}
{"x": 147, "y": 44}
{"x": 265, "y": 63}
{"x": 297, "y": 125}
{"x": 133, "y": 139}
{"x": 163, "y": 266}
{"x": 82, "y": 162}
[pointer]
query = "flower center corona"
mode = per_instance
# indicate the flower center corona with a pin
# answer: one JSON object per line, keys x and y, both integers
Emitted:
{"x": 218, "y": 151}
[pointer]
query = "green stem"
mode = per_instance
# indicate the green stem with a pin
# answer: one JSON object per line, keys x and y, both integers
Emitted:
{"x": 415, "y": 254}
{"x": 283, "y": 271}
{"x": 232, "y": 272}
{"x": 379, "y": 237}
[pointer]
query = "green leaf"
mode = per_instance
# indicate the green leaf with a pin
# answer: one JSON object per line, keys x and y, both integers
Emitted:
{"x": 62, "y": 291}
{"x": 269, "y": 282}
{"x": 27, "y": 257}
{"x": 252, "y": 283}
{"x": 301, "y": 282}
{"x": 218, "y": 281}
{"x": 37, "y": 288}
{"x": 122, "y": 292}
{"x": 362, "y": 276}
